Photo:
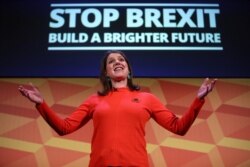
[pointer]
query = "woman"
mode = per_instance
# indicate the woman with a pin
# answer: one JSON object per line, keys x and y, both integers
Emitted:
{"x": 119, "y": 112}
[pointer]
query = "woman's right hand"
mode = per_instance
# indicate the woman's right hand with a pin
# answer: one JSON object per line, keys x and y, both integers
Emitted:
{"x": 32, "y": 94}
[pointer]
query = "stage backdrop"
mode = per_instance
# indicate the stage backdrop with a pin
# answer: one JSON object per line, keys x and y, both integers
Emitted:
{"x": 220, "y": 136}
{"x": 68, "y": 38}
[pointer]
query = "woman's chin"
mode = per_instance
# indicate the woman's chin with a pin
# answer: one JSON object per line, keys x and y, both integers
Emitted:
{"x": 119, "y": 78}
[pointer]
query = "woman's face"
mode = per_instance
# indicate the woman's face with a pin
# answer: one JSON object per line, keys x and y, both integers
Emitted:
{"x": 117, "y": 67}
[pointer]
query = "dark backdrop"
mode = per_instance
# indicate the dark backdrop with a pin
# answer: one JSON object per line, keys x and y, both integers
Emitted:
{"x": 24, "y": 42}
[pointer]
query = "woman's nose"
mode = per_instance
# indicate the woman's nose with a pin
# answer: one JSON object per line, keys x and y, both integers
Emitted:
{"x": 117, "y": 62}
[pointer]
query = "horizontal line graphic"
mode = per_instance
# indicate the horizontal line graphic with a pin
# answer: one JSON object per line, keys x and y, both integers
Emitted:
{"x": 133, "y": 4}
{"x": 54, "y": 48}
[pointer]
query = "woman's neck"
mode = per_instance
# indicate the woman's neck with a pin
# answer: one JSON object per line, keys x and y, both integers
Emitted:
{"x": 119, "y": 83}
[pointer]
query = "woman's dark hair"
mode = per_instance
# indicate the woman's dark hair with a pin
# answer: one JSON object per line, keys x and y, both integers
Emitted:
{"x": 105, "y": 80}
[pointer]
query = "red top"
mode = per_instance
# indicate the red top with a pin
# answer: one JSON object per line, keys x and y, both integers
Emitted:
{"x": 119, "y": 124}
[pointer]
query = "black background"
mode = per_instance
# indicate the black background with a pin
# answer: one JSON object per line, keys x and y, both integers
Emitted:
{"x": 24, "y": 42}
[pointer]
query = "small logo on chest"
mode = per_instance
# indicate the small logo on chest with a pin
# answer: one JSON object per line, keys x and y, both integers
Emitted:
{"x": 135, "y": 100}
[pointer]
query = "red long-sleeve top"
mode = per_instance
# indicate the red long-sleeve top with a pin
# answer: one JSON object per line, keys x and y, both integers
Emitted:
{"x": 119, "y": 120}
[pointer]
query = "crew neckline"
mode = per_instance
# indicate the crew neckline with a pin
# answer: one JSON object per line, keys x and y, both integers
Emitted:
{"x": 122, "y": 89}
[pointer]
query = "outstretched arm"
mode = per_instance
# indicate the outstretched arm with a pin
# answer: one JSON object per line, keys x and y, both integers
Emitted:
{"x": 62, "y": 126}
{"x": 181, "y": 125}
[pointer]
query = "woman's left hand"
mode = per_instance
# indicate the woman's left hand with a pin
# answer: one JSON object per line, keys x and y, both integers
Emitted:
{"x": 206, "y": 87}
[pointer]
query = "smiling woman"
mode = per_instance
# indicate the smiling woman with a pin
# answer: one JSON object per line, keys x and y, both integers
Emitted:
{"x": 119, "y": 112}
{"x": 116, "y": 72}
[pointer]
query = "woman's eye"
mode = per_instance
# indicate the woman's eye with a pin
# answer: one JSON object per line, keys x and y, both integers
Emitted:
{"x": 110, "y": 61}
